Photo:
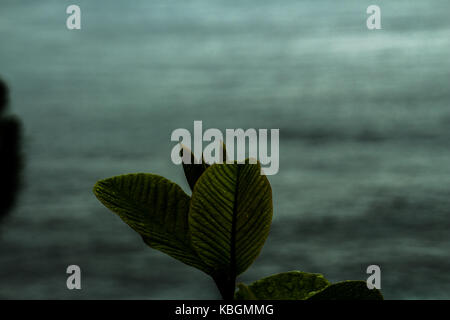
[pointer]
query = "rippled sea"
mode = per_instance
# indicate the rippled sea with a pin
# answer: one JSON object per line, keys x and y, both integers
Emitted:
{"x": 364, "y": 119}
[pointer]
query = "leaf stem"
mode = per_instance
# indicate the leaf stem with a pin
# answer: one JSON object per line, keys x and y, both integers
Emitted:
{"x": 232, "y": 272}
{"x": 226, "y": 286}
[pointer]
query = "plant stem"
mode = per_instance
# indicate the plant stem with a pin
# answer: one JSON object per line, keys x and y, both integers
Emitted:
{"x": 226, "y": 287}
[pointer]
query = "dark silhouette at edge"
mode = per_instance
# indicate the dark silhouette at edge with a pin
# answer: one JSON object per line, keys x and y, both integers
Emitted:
{"x": 10, "y": 155}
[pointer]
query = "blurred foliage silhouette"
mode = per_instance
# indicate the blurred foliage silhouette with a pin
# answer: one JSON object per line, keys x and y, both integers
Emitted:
{"x": 10, "y": 154}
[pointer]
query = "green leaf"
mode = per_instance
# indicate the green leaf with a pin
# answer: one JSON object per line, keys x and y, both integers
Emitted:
{"x": 244, "y": 293}
{"x": 348, "y": 290}
{"x": 230, "y": 217}
{"x": 154, "y": 207}
{"x": 192, "y": 170}
{"x": 292, "y": 285}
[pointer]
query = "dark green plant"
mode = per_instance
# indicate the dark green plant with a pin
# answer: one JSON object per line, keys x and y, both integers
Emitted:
{"x": 220, "y": 230}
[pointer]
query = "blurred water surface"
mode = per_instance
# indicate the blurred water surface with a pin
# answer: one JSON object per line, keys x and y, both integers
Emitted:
{"x": 364, "y": 126}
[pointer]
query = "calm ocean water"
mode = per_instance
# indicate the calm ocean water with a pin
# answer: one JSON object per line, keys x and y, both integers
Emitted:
{"x": 364, "y": 122}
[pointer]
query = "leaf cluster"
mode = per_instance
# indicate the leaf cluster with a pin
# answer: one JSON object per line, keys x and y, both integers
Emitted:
{"x": 219, "y": 230}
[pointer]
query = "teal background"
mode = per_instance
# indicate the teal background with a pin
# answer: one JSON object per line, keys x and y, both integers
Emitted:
{"x": 364, "y": 136}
